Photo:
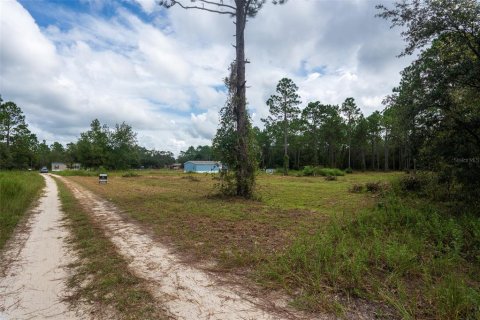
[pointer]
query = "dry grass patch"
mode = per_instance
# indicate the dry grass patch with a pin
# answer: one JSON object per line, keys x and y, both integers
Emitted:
{"x": 183, "y": 210}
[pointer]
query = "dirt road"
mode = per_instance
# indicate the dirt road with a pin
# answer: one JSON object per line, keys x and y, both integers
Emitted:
{"x": 33, "y": 268}
{"x": 187, "y": 292}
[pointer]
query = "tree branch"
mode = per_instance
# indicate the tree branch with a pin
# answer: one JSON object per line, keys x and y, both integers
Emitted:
{"x": 174, "y": 2}
{"x": 218, "y": 4}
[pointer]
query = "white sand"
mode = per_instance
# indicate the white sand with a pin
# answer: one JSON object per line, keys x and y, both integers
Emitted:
{"x": 33, "y": 283}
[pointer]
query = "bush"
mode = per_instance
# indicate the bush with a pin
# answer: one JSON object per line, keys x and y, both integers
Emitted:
{"x": 349, "y": 170}
{"x": 308, "y": 171}
{"x": 412, "y": 182}
{"x": 377, "y": 187}
{"x": 331, "y": 178}
{"x": 329, "y": 172}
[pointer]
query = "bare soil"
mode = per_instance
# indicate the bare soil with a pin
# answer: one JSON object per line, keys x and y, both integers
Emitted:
{"x": 33, "y": 267}
{"x": 186, "y": 291}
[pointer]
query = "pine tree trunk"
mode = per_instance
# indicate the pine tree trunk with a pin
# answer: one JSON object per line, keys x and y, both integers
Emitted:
{"x": 393, "y": 159}
{"x": 285, "y": 145}
{"x": 244, "y": 172}
{"x": 364, "y": 162}
{"x": 386, "y": 152}
{"x": 373, "y": 156}
{"x": 349, "y": 152}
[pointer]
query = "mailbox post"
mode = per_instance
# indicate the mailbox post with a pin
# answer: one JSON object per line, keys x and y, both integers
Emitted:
{"x": 102, "y": 178}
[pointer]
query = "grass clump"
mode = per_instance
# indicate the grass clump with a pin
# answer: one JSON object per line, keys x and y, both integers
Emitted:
{"x": 130, "y": 174}
{"x": 102, "y": 276}
{"x": 421, "y": 262}
{"x": 331, "y": 178}
{"x": 318, "y": 171}
{"x": 192, "y": 178}
{"x": 17, "y": 192}
{"x": 356, "y": 188}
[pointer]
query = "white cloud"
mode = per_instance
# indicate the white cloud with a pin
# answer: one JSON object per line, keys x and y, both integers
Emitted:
{"x": 148, "y": 5}
{"x": 162, "y": 77}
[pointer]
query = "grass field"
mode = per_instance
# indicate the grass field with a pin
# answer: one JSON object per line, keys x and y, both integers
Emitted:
{"x": 18, "y": 190}
{"x": 102, "y": 277}
{"x": 316, "y": 239}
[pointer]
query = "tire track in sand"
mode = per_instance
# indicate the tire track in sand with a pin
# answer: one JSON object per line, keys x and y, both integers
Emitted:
{"x": 187, "y": 292}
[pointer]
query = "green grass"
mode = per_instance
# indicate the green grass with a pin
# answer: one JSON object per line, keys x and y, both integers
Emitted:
{"x": 316, "y": 239}
{"x": 422, "y": 262}
{"x": 18, "y": 190}
{"x": 102, "y": 276}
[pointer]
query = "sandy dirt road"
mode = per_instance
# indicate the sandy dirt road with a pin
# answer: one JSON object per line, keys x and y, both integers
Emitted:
{"x": 186, "y": 292}
{"x": 33, "y": 268}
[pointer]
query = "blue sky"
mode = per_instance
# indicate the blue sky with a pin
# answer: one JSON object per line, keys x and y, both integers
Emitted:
{"x": 67, "y": 62}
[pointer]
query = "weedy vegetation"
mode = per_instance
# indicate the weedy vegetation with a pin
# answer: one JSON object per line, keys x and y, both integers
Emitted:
{"x": 18, "y": 190}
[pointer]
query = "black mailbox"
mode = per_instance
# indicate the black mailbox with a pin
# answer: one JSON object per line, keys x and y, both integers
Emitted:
{"x": 102, "y": 178}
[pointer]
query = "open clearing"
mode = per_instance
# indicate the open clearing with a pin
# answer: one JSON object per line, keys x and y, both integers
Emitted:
{"x": 233, "y": 235}
{"x": 307, "y": 248}
{"x": 187, "y": 292}
{"x": 33, "y": 270}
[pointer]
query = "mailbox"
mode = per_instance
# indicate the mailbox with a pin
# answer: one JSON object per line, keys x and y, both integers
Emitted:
{"x": 102, "y": 178}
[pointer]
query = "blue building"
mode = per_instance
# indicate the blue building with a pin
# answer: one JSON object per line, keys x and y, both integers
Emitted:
{"x": 202, "y": 166}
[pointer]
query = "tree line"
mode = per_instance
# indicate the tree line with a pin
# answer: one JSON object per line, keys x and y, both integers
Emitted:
{"x": 336, "y": 136}
{"x": 100, "y": 146}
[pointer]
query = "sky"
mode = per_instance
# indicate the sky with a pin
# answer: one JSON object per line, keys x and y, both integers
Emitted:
{"x": 67, "y": 62}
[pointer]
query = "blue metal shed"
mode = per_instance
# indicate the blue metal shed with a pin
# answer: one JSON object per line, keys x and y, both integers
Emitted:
{"x": 202, "y": 166}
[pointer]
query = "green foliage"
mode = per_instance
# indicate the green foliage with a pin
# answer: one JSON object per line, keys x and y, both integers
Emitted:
{"x": 422, "y": 262}
{"x": 284, "y": 109}
{"x": 412, "y": 182}
{"x": 17, "y": 192}
{"x": 238, "y": 178}
{"x": 200, "y": 153}
{"x": 349, "y": 170}
{"x": 17, "y": 143}
{"x": 329, "y": 172}
{"x": 434, "y": 111}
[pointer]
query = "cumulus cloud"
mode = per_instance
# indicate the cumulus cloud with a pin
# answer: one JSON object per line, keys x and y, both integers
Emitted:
{"x": 160, "y": 70}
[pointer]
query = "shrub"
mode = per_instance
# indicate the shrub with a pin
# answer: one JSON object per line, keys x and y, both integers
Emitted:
{"x": 374, "y": 187}
{"x": 349, "y": 170}
{"x": 411, "y": 182}
{"x": 330, "y": 178}
{"x": 308, "y": 171}
{"x": 329, "y": 172}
